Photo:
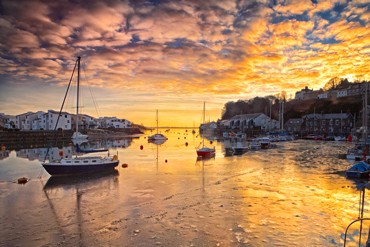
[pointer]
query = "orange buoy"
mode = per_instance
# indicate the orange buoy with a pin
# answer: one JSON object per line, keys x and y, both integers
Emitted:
{"x": 60, "y": 153}
{"x": 22, "y": 180}
{"x": 141, "y": 147}
{"x": 124, "y": 165}
{"x": 179, "y": 138}
{"x": 185, "y": 137}
{"x": 70, "y": 144}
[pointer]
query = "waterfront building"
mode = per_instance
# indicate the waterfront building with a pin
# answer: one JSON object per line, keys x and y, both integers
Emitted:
{"x": 19, "y": 120}
{"x": 328, "y": 123}
{"x": 116, "y": 123}
{"x": 32, "y": 121}
{"x": 3, "y": 120}
{"x": 50, "y": 119}
{"x": 246, "y": 121}
{"x": 294, "y": 125}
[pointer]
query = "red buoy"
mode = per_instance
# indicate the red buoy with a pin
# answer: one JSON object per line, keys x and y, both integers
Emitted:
{"x": 60, "y": 153}
{"x": 165, "y": 161}
{"x": 97, "y": 140}
{"x": 124, "y": 165}
{"x": 186, "y": 143}
{"x": 141, "y": 147}
{"x": 119, "y": 141}
{"x": 70, "y": 144}
{"x": 211, "y": 142}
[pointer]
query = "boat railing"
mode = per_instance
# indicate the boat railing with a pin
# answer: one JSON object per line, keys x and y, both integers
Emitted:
{"x": 345, "y": 234}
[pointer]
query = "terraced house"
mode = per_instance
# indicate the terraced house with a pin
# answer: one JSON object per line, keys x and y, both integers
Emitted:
{"x": 328, "y": 123}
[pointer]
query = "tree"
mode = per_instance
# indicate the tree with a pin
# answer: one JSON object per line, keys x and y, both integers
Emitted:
{"x": 331, "y": 84}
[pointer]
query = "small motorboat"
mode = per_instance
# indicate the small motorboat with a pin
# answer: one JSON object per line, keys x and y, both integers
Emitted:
{"x": 265, "y": 143}
{"x": 255, "y": 144}
{"x": 239, "y": 149}
{"x": 340, "y": 138}
{"x": 318, "y": 137}
{"x": 359, "y": 170}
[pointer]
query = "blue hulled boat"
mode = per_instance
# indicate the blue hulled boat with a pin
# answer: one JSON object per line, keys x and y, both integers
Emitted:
{"x": 359, "y": 170}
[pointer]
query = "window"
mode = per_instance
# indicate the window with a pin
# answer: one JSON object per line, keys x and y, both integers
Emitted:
{"x": 65, "y": 126}
{"x": 93, "y": 161}
{"x": 76, "y": 161}
{"x": 65, "y": 116}
{"x": 67, "y": 121}
{"x": 86, "y": 161}
{"x": 68, "y": 161}
{"x": 323, "y": 122}
{"x": 336, "y": 122}
{"x": 51, "y": 121}
{"x": 331, "y": 122}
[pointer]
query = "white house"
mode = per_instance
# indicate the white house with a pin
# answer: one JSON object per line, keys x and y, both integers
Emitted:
{"x": 32, "y": 121}
{"x": 88, "y": 121}
{"x": 117, "y": 123}
{"x": 51, "y": 117}
{"x": 246, "y": 121}
{"x": 19, "y": 120}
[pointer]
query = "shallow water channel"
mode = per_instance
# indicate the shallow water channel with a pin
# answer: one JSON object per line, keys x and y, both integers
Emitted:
{"x": 293, "y": 195}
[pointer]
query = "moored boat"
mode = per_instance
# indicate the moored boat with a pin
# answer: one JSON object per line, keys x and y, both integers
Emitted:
{"x": 157, "y": 136}
{"x": 265, "y": 143}
{"x": 202, "y": 150}
{"x": 339, "y": 138}
{"x": 359, "y": 170}
{"x": 239, "y": 149}
{"x": 255, "y": 144}
{"x": 78, "y": 165}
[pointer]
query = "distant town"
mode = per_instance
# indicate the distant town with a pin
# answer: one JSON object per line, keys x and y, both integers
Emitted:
{"x": 259, "y": 115}
{"x": 47, "y": 121}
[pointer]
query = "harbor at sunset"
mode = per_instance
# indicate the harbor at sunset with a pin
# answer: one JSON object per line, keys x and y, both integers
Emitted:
{"x": 184, "y": 123}
{"x": 139, "y": 56}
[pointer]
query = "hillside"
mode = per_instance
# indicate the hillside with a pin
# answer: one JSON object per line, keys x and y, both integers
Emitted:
{"x": 294, "y": 108}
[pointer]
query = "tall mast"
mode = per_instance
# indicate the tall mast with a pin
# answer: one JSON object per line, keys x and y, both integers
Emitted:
{"x": 204, "y": 119}
{"x": 157, "y": 121}
{"x": 365, "y": 111}
{"x": 78, "y": 86}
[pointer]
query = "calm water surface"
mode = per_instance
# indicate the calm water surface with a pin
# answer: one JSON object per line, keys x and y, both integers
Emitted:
{"x": 293, "y": 195}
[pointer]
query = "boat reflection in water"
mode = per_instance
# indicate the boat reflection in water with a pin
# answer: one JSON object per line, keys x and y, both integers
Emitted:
{"x": 83, "y": 180}
{"x": 157, "y": 142}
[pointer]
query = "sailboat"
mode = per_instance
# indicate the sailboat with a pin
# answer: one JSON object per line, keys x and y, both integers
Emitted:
{"x": 201, "y": 149}
{"x": 157, "y": 136}
{"x": 78, "y": 165}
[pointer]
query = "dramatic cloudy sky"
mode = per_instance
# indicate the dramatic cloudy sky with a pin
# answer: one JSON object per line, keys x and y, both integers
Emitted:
{"x": 139, "y": 56}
